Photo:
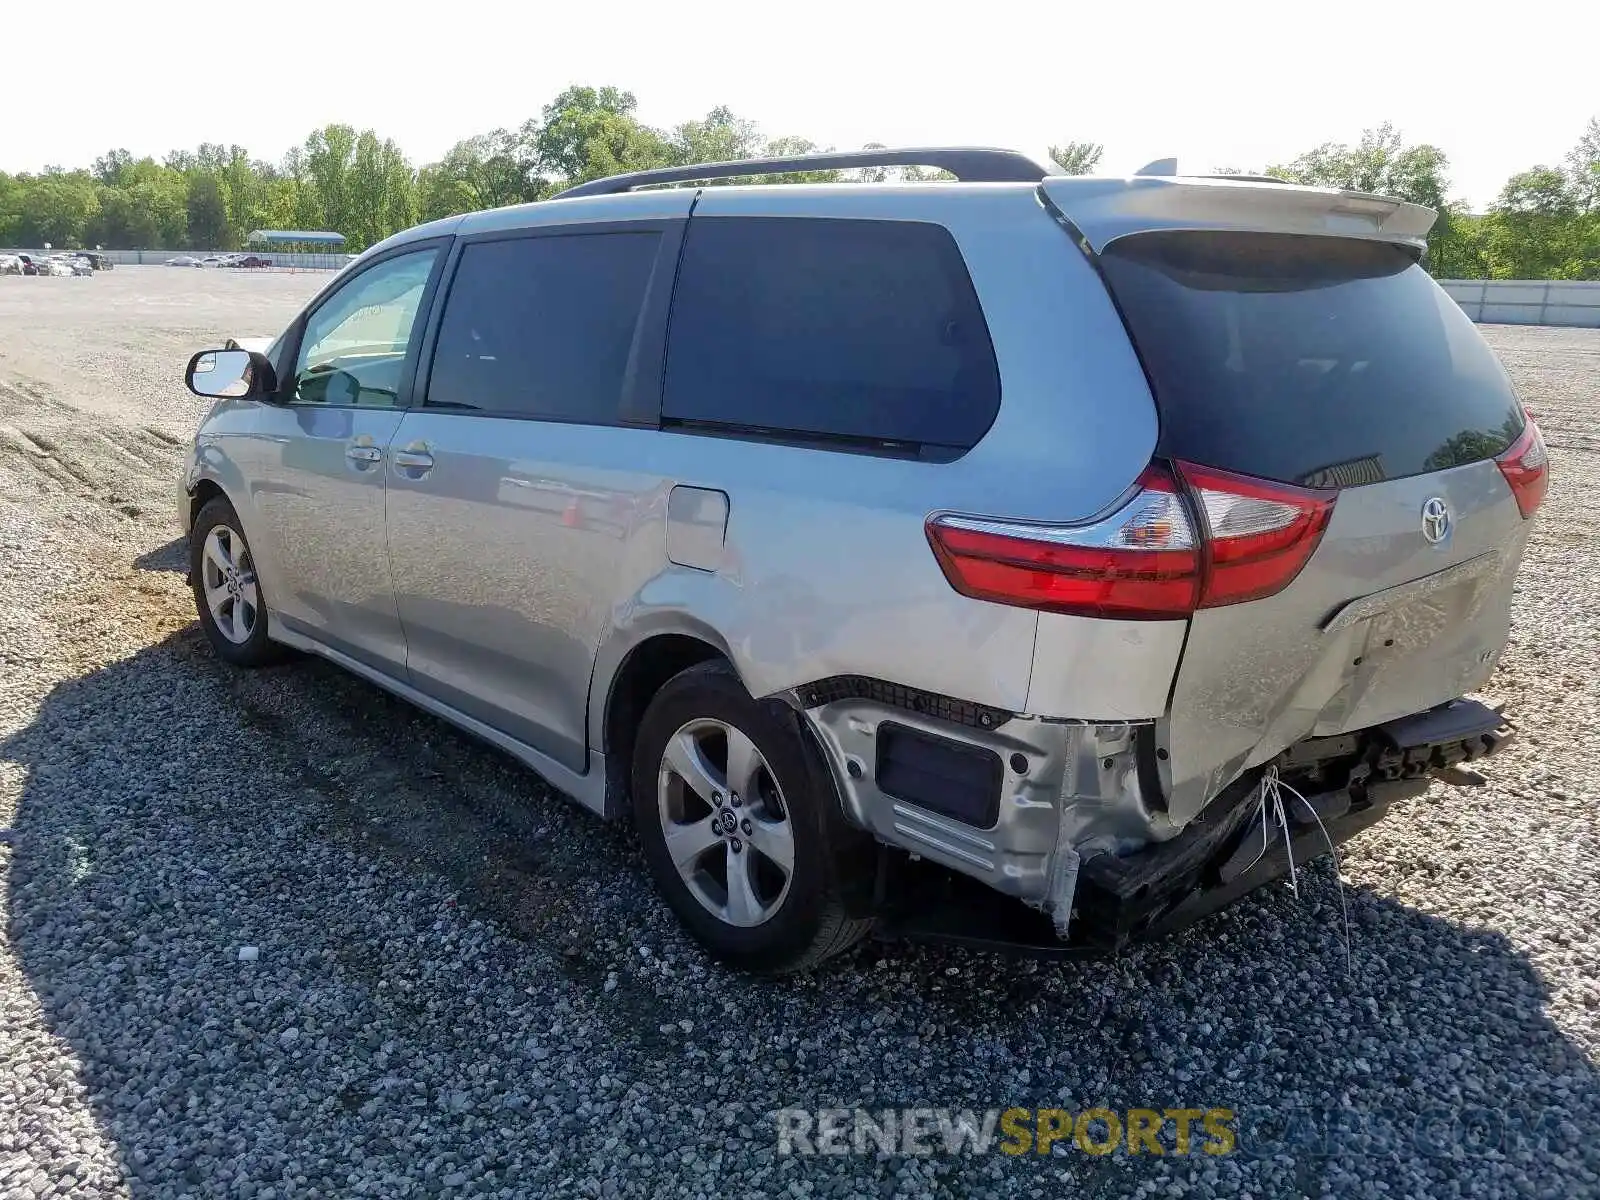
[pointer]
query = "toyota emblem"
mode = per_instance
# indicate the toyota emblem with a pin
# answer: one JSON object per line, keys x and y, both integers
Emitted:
{"x": 1435, "y": 519}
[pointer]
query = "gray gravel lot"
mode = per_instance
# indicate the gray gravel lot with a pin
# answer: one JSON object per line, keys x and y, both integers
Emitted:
{"x": 463, "y": 985}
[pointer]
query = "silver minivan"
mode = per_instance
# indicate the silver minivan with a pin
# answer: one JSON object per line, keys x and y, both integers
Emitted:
{"x": 1017, "y": 559}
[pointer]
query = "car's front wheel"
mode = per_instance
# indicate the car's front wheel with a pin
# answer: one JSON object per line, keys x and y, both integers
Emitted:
{"x": 227, "y": 591}
{"x": 735, "y": 828}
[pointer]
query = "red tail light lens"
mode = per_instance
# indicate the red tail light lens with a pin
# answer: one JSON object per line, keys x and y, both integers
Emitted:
{"x": 1259, "y": 535}
{"x": 1147, "y": 561}
{"x": 1141, "y": 563}
{"x": 1526, "y": 465}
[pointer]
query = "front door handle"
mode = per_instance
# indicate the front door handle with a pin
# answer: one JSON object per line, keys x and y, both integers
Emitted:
{"x": 363, "y": 454}
{"x": 414, "y": 460}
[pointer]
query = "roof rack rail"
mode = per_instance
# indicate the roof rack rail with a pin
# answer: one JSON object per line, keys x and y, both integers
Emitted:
{"x": 970, "y": 164}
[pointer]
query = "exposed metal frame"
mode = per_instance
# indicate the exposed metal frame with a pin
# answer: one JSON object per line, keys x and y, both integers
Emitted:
{"x": 969, "y": 164}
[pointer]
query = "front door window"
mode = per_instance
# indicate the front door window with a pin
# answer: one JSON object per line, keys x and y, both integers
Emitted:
{"x": 354, "y": 348}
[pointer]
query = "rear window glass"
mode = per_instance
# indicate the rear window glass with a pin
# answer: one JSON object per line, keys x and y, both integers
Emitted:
{"x": 818, "y": 328}
{"x": 1316, "y": 360}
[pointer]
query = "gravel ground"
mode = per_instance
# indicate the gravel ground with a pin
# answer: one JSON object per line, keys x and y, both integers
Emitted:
{"x": 462, "y": 985}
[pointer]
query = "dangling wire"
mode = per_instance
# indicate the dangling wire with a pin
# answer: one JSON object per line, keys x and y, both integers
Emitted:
{"x": 1272, "y": 814}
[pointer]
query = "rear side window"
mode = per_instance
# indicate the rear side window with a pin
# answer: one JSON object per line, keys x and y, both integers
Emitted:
{"x": 542, "y": 326}
{"x": 1316, "y": 360}
{"x": 866, "y": 333}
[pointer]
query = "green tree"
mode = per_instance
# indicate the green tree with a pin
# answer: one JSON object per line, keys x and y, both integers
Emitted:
{"x": 165, "y": 195}
{"x": 243, "y": 188}
{"x": 306, "y": 204}
{"x": 587, "y": 133}
{"x": 329, "y": 153}
{"x": 11, "y": 193}
{"x": 58, "y": 209}
{"x": 487, "y": 171}
{"x": 1535, "y": 228}
{"x": 720, "y": 137}
{"x": 111, "y": 165}
{"x": 207, "y": 212}
{"x": 122, "y": 223}
{"x": 1461, "y": 250}
{"x": 1077, "y": 158}
{"x": 382, "y": 197}
{"x": 1583, "y": 168}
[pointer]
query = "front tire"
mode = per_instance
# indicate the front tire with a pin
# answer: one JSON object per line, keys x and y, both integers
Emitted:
{"x": 736, "y": 828}
{"x": 227, "y": 593}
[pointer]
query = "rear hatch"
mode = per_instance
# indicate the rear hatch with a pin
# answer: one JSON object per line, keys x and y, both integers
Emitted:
{"x": 1290, "y": 337}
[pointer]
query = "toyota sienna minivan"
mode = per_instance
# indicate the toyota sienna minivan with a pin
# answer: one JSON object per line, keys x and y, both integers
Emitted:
{"x": 970, "y": 557}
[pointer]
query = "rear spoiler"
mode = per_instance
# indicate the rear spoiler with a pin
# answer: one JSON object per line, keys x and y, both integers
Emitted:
{"x": 1104, "y": 210}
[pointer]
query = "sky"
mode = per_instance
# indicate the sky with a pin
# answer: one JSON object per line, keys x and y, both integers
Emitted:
{"x": 1226, "y": 83}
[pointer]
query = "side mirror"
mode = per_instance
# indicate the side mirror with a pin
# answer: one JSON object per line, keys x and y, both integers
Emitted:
{"x": 231, "y": 375}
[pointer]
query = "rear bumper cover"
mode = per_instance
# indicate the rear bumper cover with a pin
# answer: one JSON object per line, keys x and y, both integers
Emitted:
{"x": 1010, "y": 801}
{"x": 1222, "y": 855}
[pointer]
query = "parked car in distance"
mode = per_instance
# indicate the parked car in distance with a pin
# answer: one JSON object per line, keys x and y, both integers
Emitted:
{"x": 74, "y": 264}
{"x": 1048, "y": 562}
{"x": 56, "y": 266}
{"x": 250, "y": 261}
{"x": 97, "y": 261}
{"x": 183, "y": 260}
{"x": 29, "y": 266}
{"x": 10, "y": 264}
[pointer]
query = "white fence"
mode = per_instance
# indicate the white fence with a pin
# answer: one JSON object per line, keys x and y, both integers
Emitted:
{"x": 1527, "y": 302}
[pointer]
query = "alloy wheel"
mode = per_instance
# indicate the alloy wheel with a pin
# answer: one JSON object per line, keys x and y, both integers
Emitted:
{"x": 228, "y": 579}
{"x": 725, "y": 822}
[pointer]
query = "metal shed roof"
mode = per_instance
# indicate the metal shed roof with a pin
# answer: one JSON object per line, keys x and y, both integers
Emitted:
{"x": 297, "y": 235}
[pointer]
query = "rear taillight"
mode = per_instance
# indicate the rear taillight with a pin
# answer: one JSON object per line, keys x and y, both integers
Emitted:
{"x": 1140, "y": 563}
{"x": 1147, "y": 561}
{"x": 1526, "y": 465}
{"x": 1258, "y": 534}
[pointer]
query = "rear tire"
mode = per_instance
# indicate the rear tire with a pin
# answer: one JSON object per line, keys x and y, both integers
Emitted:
{"x": 751, "y": 873}
{"x": 227, "y": 594}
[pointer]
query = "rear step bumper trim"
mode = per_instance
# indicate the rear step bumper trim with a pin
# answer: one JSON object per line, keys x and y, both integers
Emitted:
{"x": 1460, "y": 720}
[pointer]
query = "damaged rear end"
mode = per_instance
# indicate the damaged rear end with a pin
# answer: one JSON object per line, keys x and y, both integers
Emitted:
{"x": 1337, "y": 508}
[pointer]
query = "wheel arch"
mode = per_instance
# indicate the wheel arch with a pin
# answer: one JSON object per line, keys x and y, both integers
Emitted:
{"x": 212, "y": 480}
{"x": 202, "y": 493}
{"x": 633, "y": 674}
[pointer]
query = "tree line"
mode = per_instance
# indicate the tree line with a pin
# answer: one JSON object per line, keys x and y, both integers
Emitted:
{"x": 1545, "y": 224}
